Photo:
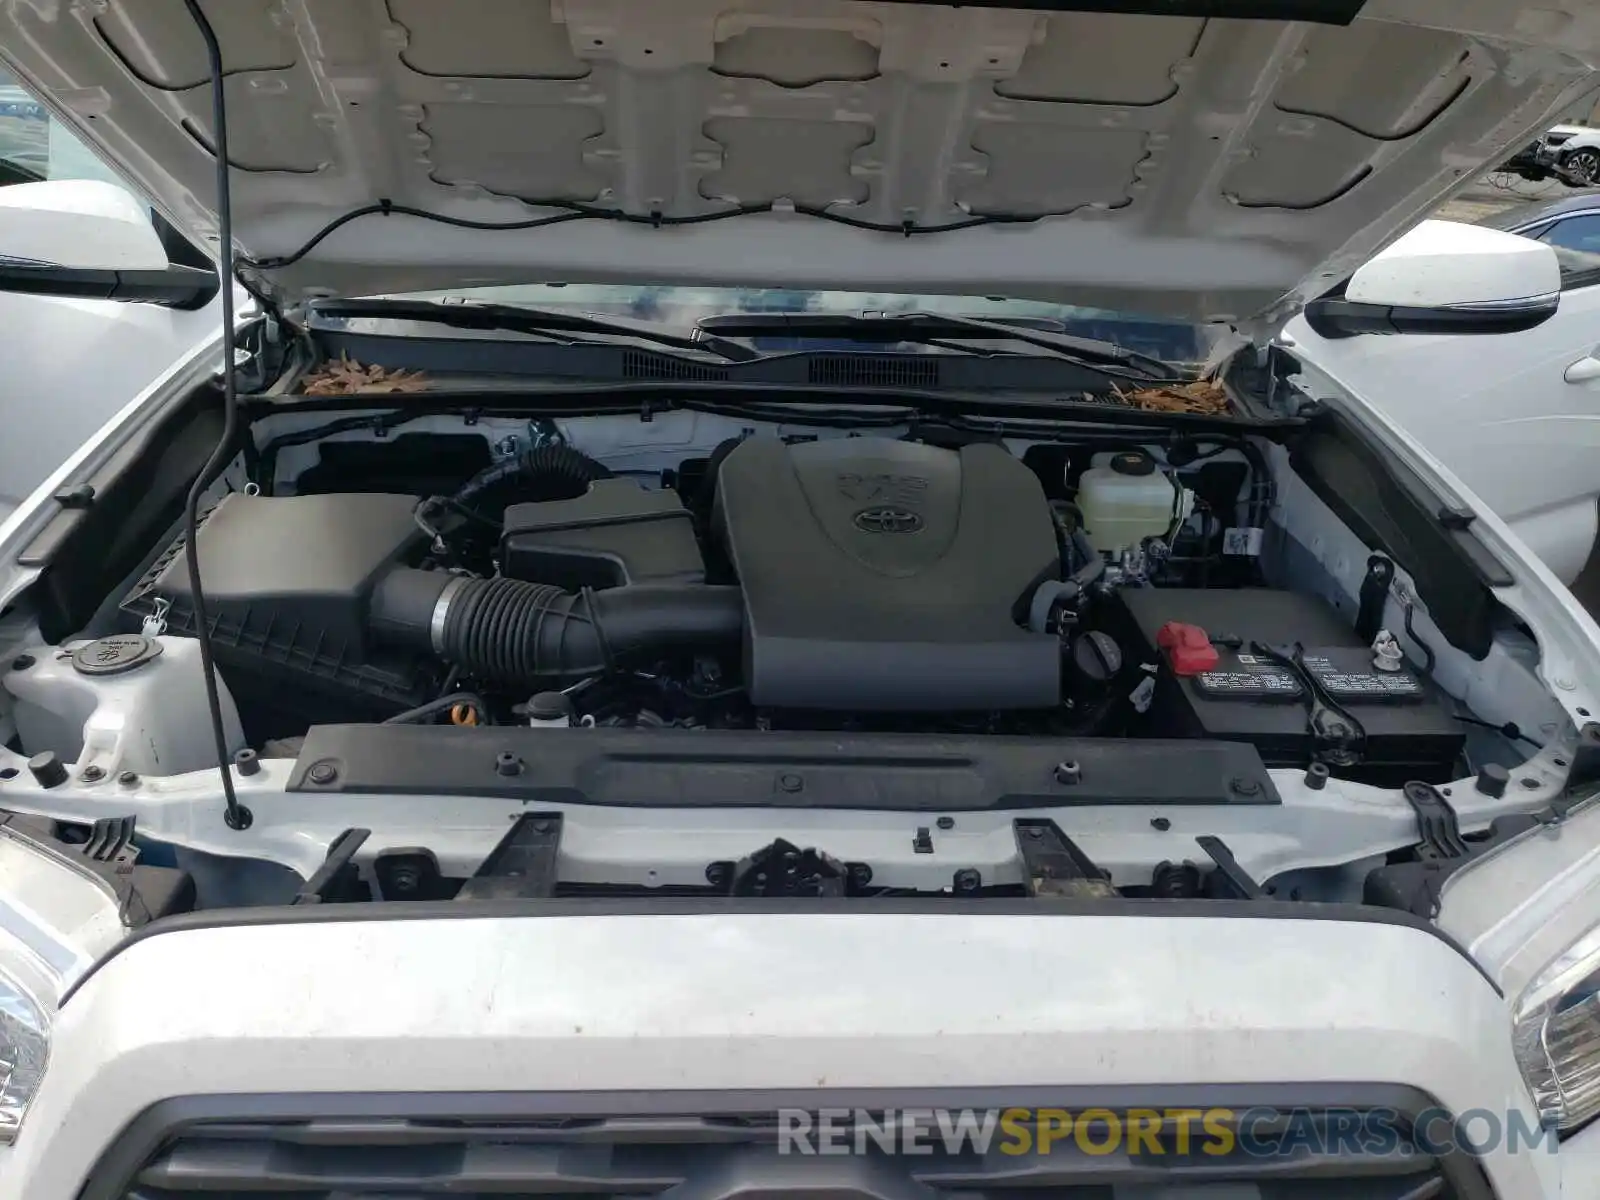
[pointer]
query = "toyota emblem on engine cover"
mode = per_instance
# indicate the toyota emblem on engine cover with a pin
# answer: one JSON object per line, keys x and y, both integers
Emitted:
{"x": 885, "y": 518}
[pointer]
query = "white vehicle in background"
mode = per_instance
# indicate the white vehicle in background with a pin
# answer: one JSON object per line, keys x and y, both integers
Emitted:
{"x": 1575, "y": 151}
{"x": 68, "y": 363}
{"x": 1568, "y": 152}
{"x": 1516, "y": 416}
{"x": 693, "y": 602}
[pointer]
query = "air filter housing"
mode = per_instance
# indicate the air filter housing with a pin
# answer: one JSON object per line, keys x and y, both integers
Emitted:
{"x": 287, "y": 582}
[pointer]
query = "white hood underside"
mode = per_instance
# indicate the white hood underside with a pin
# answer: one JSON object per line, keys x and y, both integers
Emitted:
{"x": 1205, "y": 168}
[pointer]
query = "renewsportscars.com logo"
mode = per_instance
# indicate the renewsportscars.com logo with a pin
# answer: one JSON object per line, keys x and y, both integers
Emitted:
{"x": 1181, "y": 1132}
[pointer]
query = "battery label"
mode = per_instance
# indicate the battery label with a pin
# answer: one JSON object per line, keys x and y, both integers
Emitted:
{"x": 1247, "y": 677}
{"x": 1351, "y": 676}
{"x": 1349, "y": 680}
{"x": 1345, "y": 674}
{"x": 1249, "y": 683}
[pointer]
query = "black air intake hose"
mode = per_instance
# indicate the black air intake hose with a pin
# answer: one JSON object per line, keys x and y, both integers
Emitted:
{"x": 513, "y": 631}
{"x": 553, "y": 472}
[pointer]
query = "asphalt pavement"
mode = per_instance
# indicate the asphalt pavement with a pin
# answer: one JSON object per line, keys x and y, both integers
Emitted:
{"x": 1499, "y": 192}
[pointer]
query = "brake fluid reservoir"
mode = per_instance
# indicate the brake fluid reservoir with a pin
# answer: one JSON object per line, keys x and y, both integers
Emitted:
{"x": 1125, "y": 498}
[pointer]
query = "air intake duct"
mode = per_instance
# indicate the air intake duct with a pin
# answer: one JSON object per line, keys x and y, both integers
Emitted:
{"x": 553, "y": 472}
{"x": 514, "y": 632}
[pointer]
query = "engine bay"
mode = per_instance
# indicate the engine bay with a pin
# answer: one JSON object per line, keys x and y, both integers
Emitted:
{"x": 858, "y": 584}
{"x": 564, "y": 618}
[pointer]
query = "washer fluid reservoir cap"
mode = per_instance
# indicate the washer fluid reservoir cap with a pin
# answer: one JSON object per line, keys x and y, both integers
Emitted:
{"x": 114, "y": 655}
{"x": 1133, "y": 462}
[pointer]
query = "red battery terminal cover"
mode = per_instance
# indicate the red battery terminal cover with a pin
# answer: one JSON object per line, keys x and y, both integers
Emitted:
{"x": 1189, "y": 649}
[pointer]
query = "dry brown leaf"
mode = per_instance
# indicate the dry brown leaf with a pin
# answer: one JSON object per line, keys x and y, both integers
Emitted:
{"x": 1205, "y": 397}
{"x": 344, "y": 376}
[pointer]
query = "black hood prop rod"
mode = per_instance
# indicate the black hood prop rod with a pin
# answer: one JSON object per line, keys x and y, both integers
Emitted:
{"x": 237, "y": 816}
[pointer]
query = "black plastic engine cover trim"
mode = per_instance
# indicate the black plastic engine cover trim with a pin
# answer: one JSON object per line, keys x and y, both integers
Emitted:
{"x": 887, "y": 576}
{"x": 135, "y": 496}
{"x": 734, "y": 768}
{"x": 1392, "y": 511}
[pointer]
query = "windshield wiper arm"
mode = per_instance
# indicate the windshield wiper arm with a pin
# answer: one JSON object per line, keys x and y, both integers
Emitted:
{"x": 514, "y": 318}
{"x": 929, "y": 328}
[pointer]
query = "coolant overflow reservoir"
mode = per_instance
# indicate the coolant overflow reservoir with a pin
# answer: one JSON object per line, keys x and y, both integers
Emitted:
{"x": 1125, "y": 498}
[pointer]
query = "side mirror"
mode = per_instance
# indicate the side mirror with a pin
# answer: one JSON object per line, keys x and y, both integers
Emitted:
{"x": 1446, "y": 277}
{"x": 86, "y": 239}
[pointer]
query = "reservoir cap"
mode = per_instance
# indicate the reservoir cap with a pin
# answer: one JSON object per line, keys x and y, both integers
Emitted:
{"x": 1133, "y": 462}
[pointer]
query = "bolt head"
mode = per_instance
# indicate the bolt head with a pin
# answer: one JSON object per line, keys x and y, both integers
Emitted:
{"x": 128, "y": 779}
{"x": 92, "y": 774}
{"x": 1160, "y": 824}
{"x": 1068, "y": 772}
{"x": 322, "y": 772}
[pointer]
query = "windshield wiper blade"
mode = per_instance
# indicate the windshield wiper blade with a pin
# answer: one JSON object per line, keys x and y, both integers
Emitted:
{"x": 930, "y": 328}
{"x": 514, "y": 318}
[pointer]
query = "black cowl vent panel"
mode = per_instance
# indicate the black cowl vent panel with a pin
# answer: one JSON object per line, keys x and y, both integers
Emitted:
{"x": 886, "y": 576}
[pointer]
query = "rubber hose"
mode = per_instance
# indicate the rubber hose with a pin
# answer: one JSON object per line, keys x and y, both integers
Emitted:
{"x": 1094, "y": 564}
{"x": 414, "y": 716}
{"x": 515, "y": 632}
{"x": 1066, "y": 592}
{"x": 553, "y": 472}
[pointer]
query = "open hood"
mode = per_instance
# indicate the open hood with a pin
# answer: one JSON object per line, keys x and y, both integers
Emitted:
{"x": 1202, "y": 165}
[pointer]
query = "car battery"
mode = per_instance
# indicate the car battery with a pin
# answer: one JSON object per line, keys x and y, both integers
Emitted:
{"x": 1240, "y": 694}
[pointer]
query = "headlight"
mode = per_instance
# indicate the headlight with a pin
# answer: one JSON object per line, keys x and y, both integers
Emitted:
{"x": 54, "y": 918}
{"x": 24, "y": 1050}
{"x": 1556, "y": 1035}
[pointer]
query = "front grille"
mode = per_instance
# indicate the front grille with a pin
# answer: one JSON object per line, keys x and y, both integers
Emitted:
{"x": 729, "y": 1157}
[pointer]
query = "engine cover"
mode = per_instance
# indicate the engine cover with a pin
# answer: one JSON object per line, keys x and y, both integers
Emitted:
{"x": 887, "y": 576}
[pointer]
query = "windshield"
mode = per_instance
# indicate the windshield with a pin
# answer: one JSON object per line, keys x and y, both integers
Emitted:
{"x": 1171, "y": 341}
